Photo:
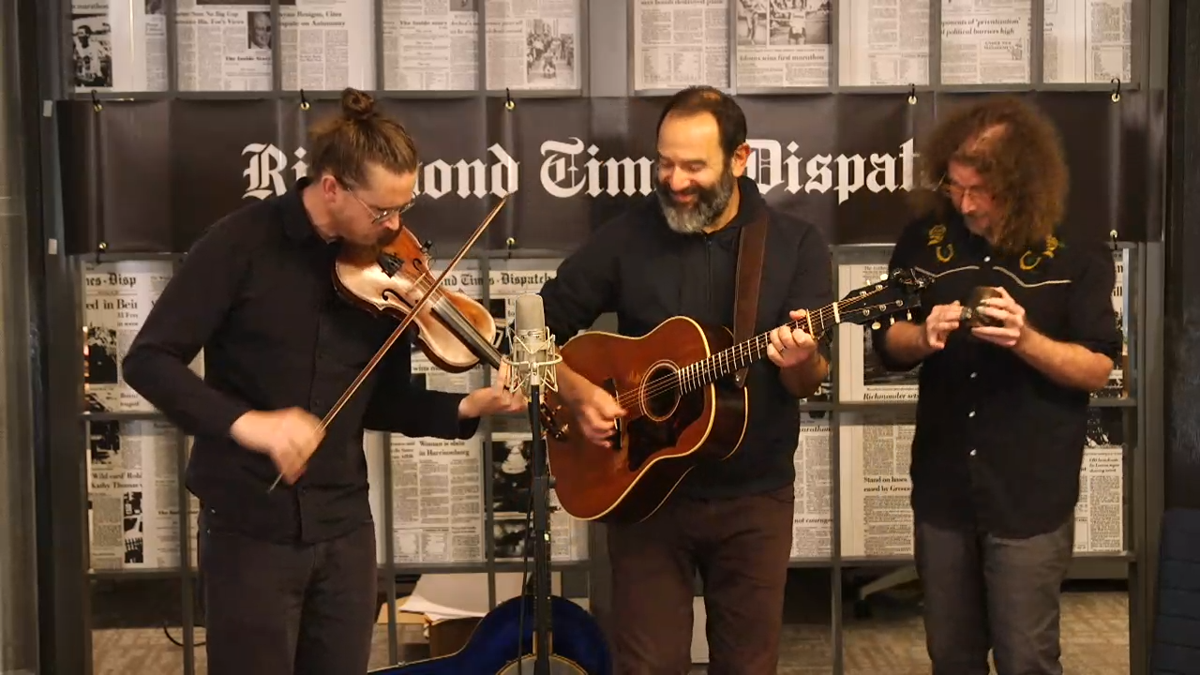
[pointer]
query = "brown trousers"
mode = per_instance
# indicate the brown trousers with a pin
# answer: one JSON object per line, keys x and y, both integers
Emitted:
{"x": 741, "y": 549}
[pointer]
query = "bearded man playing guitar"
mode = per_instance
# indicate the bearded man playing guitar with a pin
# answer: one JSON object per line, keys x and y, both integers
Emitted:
{"x": 683, "y": 253}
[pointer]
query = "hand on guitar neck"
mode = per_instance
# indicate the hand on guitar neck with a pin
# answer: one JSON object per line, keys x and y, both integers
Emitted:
{"x": 595, "y": 409}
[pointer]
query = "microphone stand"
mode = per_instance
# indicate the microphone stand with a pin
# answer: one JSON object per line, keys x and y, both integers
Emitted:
{"x": 540, "y": 497}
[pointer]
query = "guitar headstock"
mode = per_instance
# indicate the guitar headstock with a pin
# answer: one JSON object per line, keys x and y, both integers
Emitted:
{"x": 893, "y": 295}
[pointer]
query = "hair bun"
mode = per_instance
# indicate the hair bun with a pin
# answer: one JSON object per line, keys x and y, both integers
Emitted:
{"x": 357, "y": 105}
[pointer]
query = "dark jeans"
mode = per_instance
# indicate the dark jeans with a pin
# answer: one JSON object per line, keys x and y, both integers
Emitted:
{"x": 985, "y": 592}
{"x": 287, "y": 609}
{"x": 741, "y": 549}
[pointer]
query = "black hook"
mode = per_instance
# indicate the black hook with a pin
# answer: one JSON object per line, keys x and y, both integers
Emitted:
{"x": 510, "y": 244}
{"x": 1112, "y": 235}
{"x": 1116, "y": 92}
{"x": 509, "y": 103}
{"x": 100, "y": 249}
{"x": 96, "y": 102}
{"x": 912, "y": 93}
{"x": 303, "y": 101}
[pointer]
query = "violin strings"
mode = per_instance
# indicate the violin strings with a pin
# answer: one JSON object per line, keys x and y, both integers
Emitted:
{"x": 452, "y": 315}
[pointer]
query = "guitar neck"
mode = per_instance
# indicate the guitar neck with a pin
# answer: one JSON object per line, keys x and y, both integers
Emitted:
{"x": 744, "y": 354}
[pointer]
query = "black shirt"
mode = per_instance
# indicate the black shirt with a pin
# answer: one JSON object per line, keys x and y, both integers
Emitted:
{"x": 636, "y": 266}
{"x": 998, "y": 445}
{"x": 255, "y": 292}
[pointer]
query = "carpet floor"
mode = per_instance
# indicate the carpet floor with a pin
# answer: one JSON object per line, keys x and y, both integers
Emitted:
{"x": 1095, "y": 641}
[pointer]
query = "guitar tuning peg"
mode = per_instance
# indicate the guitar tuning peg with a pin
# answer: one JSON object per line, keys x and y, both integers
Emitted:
{"x": 875, "y": 325}
{"x": 883, "y": 277}
{"x": 908, "y": 315}
{"x": 891, "y": 321}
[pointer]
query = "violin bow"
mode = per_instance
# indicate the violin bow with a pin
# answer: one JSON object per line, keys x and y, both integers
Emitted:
{"x": 408, "y": 319}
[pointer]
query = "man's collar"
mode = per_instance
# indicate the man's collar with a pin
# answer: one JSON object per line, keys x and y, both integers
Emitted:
{"x": 296, "y": 222}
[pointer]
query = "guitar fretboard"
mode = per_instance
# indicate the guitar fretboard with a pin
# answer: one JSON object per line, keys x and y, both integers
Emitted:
{"x": 741, "y": 355}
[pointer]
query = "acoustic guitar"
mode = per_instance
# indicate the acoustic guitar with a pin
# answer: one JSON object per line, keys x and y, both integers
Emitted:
{"x": 503, "y": 644}
{"x": 682, "y": 410}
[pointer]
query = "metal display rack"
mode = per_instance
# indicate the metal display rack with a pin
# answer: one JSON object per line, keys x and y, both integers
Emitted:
{"x": 605, "y": 29}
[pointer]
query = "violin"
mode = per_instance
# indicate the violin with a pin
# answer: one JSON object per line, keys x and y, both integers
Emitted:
{"x": 454, "y": 331}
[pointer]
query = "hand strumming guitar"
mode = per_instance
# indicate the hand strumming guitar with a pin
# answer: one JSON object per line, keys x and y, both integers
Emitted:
{"x": 596, "y": 411}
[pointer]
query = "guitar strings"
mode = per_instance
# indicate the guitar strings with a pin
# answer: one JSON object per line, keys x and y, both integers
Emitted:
{"x": 677, "y": 378}
{"x": 662, "y": 384}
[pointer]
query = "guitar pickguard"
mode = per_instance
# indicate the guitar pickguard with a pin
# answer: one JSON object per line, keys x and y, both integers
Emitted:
{"x": 648, "y": 435}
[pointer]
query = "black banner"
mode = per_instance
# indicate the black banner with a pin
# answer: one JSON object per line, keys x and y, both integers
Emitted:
{"x": 148, "y": 177}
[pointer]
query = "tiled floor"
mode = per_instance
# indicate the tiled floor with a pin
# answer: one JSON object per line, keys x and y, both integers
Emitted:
{"x": 1095, "y": 639}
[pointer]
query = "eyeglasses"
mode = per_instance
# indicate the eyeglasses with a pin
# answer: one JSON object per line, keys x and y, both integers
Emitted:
{"x": 959, "y": 192}
{"x": 378, "y": 216}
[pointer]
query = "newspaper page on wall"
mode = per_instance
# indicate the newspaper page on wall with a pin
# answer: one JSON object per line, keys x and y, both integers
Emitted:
{"x": 437, "y": 498}
{"x": 133, "y": 496}
{"x": 431, "y": 46}
{"x": 882, "y": 43}
{"x": 1087, "y": 40}
{"x": 1100, "y": 512}
{"x": 861, "y": 374}
{"x": 119, "y": 46}
{"x": 532, "y": 44}
{"x": 812, "y": 521}
{"x": 986, "y": 41}
{"x": 512, "y": 506}
{"x": 875, "y": 452}
{"x": 225, "y": 45}
{"x": 783, "y": 43}
{"x": 1118, "y": 385}
{"x": 680, "y": 43}
{"x": 117, "y": 296}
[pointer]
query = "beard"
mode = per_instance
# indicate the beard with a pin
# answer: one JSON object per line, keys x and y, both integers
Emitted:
{"x": 692, "y": 218}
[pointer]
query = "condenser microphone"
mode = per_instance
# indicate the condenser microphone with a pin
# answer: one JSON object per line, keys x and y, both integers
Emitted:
{"x": 534, "y": 354}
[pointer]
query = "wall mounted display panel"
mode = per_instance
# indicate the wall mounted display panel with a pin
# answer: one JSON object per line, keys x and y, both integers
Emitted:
{"x": 883, "y": 43}
{"x": 783, "y": 43}
{"x": 1087, "y": 41}
{"x": 986, "y": 42}
{"x": 679, "y": 43}
{"x": 533, "y": 44}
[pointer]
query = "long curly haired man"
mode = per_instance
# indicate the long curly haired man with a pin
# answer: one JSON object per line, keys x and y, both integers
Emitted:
{"x": 1016, "y": 330}
{"x": 1016, "y": 150}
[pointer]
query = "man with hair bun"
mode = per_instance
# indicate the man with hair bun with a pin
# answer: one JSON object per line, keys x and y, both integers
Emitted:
{"x": 289, "y": 575}
{"x": 1018, "y": 329}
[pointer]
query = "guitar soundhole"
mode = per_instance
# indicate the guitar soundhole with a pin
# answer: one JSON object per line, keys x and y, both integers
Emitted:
{"x": 660, "y": 392}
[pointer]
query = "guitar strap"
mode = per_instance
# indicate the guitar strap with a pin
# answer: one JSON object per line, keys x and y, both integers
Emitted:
{"x": 752, "y": 243}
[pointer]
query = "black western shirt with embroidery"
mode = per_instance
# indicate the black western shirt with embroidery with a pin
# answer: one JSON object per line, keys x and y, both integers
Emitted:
{"x": 255, "y": 293}
{"x": 998, "y": 445}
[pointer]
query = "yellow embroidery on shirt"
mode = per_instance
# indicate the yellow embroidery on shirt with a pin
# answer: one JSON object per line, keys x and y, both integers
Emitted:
{"x": 1028, "y": 262}
{"x": 937, "y": 234}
